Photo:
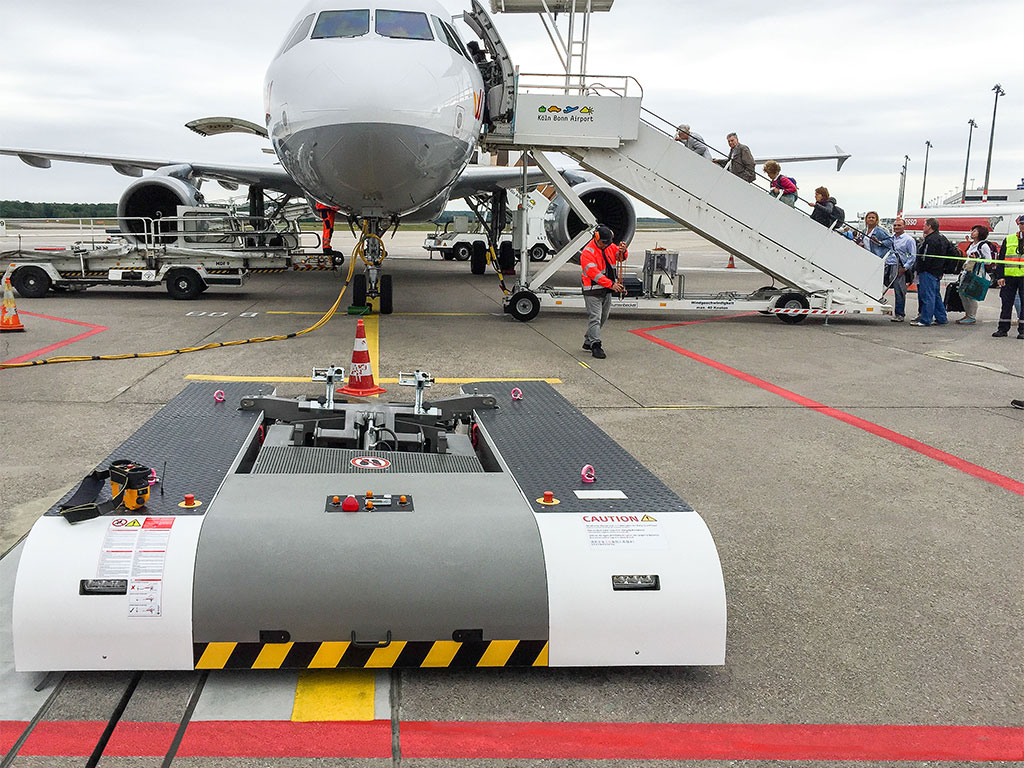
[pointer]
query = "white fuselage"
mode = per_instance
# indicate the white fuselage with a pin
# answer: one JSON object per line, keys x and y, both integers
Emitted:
{"x": 368, "y": 115}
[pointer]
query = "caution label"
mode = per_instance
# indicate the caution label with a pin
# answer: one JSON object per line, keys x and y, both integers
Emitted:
{"x": 136, "y": 550}
{"x": 634, "y": 532}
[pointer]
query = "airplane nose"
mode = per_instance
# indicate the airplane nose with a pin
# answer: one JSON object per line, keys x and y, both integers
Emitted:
{"x": 376, "y": 135}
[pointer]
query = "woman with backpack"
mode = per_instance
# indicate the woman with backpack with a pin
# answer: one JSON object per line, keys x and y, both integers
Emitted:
{"x": 782, "y": 187}
{"x": 824, "y": 205}
{"x": 979, "y": 248}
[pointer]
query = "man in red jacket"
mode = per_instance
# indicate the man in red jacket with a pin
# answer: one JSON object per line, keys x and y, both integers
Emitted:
{"x": 600, "y": 279}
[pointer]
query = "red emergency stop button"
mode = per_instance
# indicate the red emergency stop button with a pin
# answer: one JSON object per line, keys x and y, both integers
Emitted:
{"x": 350, "y": 504}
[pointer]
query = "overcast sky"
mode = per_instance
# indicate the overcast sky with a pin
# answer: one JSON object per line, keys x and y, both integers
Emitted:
{"x": 876, "y": 78}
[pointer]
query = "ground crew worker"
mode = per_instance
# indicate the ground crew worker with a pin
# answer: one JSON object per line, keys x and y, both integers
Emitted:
{"x": 326, "y": 214}
{"x": 600, "y": 279}
{"x": 1010, "y": 279}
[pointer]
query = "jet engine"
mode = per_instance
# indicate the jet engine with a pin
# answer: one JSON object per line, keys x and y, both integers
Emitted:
{"x": 155, "y": 197}
{"x": 610, "y": 207}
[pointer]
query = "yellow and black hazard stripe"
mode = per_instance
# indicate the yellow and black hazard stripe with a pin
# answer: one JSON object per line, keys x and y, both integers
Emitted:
{"x": 312, "y": 267}
{"x": 81, "y": 274}
{"x": 399, "y": 653}
{"x": 268, "y": 270}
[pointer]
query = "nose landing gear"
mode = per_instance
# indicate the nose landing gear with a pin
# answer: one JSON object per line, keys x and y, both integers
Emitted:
{"x": 373, "y": 284}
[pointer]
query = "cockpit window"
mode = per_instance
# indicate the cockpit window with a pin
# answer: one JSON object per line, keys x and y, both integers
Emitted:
{"x": 447, "y": 35}
{"x": 342, "y": 24}
{"x": 404, "y": 25}
{"x": 296, "y": 37}
{"x": 458, "y": 41}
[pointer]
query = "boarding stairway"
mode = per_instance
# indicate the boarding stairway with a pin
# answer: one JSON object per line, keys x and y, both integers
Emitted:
{"x": 737, "y": 216}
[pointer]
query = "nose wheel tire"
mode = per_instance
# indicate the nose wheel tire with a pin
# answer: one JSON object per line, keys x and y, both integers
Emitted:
{"x": 792, "y": 301}
{"x": 538, "y": 252}
{"x": 523, "y": 306}
{"x": 31, "y": 282}
{"x": 386, "y": 305}
{"x": 359, "y": 290}
{"x": 478, "y": 263}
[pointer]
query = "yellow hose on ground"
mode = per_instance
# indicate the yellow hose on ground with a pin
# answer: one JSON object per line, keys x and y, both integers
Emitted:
{"x": 356, "y": 252}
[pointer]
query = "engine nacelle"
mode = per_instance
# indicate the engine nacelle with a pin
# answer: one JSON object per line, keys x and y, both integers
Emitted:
{"x": 609, "y": 205}
{"x": 152, "y": 198}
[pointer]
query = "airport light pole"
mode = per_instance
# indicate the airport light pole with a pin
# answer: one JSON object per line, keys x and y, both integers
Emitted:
{"x": 988, "y": 165}
{"x": 927, "y": 148}
{"x": 970, "y": 132}
{"x": 903, "y": 185}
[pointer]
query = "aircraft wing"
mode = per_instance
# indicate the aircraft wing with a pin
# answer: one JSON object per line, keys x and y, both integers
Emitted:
{"x": 270, "y": 177}
{"x": 840, "y": 157}
{"x": 480, "y": 179}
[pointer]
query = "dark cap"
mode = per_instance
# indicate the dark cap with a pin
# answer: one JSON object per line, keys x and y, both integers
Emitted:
{"x": 604, "y": 233}
{"x": 1020, "y": 219}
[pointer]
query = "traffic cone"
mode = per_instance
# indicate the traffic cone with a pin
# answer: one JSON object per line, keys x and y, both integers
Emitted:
{"x": 360, "y": 375}
{"x": 9, "y": 320}
{"x": 732, "y": 262}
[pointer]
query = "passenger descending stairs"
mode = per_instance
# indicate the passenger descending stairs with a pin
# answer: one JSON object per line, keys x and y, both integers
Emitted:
{"x": 738, "y": 216}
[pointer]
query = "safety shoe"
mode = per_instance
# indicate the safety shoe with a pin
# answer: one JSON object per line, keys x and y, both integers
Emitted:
{"x": 587, "y": 345}
{"x": 596, "y": 351}
{"x": 999, "y": 334}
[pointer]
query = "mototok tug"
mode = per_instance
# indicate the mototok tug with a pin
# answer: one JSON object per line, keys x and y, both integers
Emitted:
{"x": 499, "y": 527}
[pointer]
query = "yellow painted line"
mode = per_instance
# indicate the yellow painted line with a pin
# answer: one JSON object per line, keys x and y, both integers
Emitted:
{"x": 542, "y": 657}
{"x": 441, "y": 654}
{"x": 216, "y": 656}
{"x": 333, "y": 695}
{"x": 300, "y": 379}
{"x": 584, "y": 365}
{"x": 272, "y": 655}
{"x": 328, "y": 655}
{"x": 385, "y": 658}
{"x": 371, "y": 323}
{"x": 498, "y": 652}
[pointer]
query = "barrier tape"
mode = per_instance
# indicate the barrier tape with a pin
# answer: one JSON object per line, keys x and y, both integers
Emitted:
{"x": 797, "y": 311}
{"x": 398, "y": 653}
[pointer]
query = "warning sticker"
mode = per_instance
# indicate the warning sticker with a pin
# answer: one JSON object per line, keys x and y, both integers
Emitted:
{"x": 144, "y": 598}
{"x": 370, "y": 462}
{"x": 118, "y": 548}
{"x": 136, "y": 550}
{"x": 624, "y": 531}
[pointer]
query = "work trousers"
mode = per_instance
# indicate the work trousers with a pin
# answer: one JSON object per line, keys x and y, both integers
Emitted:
{"x": 327, "y": 215}
{"x": 898, "y": 283}
{"x": 1008, "y": 294}
{"x": 598, "y": 308}
{"x": 929, "y": 302}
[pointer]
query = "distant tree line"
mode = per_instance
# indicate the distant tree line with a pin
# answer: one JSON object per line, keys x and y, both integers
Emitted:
{"x": 19, "y": 209}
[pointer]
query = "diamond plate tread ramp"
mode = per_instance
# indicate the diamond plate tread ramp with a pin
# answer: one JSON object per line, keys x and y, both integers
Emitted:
{"x": 196, "y": 436}
{"x": 545, "y": 442}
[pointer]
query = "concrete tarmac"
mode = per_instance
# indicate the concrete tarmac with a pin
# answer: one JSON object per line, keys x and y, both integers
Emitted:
{"x": 862, "y": 480}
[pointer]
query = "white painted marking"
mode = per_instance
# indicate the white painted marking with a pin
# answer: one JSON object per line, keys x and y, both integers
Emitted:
{"x": 600, "y": 495}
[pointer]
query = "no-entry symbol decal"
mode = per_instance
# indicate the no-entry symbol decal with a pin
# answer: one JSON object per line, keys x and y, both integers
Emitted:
{"x": 370, "y": 462}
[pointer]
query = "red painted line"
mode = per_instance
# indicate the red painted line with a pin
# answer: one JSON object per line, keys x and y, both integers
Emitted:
{"x": 510, "y": 741}
{"x": 672, "y": 741}
{"x": 275, "y": 738}
{"x": 138, "y": 739}
{"x": 63, "y": 737}
{"x": 1006, "y": 483}
{"x": 10, "y": 732}
{"x": 46, "y": 350}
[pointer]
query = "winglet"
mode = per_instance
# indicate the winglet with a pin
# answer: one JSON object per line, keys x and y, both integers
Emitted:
{"x": 841, "y": 157}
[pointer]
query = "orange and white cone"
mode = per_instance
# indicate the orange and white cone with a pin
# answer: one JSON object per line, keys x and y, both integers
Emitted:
{"x": 360, "y": 375}
{"x": 9, "y": 320}
{"x": 732, "y": 262}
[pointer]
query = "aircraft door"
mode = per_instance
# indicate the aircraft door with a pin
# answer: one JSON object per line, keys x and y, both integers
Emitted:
{"x": 499, "y": 74}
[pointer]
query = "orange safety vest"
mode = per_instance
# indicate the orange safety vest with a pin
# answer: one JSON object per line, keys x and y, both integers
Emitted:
{"x": 598, "y": 265}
